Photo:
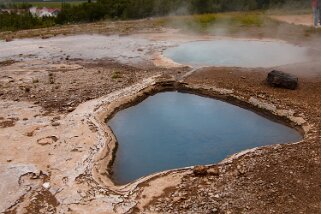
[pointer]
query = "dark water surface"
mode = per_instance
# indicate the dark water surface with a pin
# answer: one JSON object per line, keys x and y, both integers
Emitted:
{"x": 172, "y": 130}
{"x": 237, "y": 53}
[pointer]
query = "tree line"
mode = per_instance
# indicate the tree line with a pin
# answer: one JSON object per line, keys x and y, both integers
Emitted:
{"x": 135, "y": 9}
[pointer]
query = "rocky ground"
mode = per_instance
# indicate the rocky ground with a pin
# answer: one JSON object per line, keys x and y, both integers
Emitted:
{"x": 53, "y": 136}
{"x": 63, "y": 86}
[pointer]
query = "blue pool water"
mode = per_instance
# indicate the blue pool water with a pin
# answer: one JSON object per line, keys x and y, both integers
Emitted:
{"x": 172, "y": 130}
{"x": 237, "y": 53}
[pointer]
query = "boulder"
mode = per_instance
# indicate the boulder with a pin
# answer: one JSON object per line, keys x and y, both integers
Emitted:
{"x": 283, "y": 80}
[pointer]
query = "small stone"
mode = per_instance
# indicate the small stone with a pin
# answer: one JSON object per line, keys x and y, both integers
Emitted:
{"x": 175, "y": 199}
{"x": 56, "y": 118}
{"x": 70, "y": 109}
{"x": 214, "y": 210}
{"x": 47, "y": 140}
{"x": 29, "y": 134}
{"x": 55, "y": 123}
{"x": 46, "y": 185}
{"x": 240, "y": 169}
{"x": 200, "y": 170}
{"x": 217, "y": 196}
{"x": 213, "y": 171}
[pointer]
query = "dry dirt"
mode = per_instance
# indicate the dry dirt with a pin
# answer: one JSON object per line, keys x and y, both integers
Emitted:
{"x": 53, "y": 139}
{"x": 63, "y": 86}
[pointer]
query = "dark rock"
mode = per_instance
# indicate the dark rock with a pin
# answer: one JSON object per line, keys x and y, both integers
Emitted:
{"x": 71, "y": 109}
{"x": 55, "y": 123}
{"x": 200, "y": 170}
{"x": 56, "y": 118}
{"x": 283, "y": 80}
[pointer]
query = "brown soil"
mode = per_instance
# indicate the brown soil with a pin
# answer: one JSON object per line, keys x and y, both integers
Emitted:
{"x": 7, "y": 62}
{"x": 64, "y": 88}
{"x": 9, "y": 122}
{"x": 43, "y": 202}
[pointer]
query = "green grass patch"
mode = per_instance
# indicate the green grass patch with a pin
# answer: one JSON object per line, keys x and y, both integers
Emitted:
{"x": 206, "y": 22}
{"x": 248, "y": 20}
{"x": 205, "y": 19}
{"x": 116, "y": 75}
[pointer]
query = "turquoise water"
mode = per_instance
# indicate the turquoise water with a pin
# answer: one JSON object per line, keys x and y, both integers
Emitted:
{"x": 172, "y": 130}
{"x": 237, "y": 53}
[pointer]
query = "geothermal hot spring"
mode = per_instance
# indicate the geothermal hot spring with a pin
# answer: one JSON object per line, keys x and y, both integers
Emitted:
{"x": 237, "y": 53}
{"x": 173, "y": 130}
